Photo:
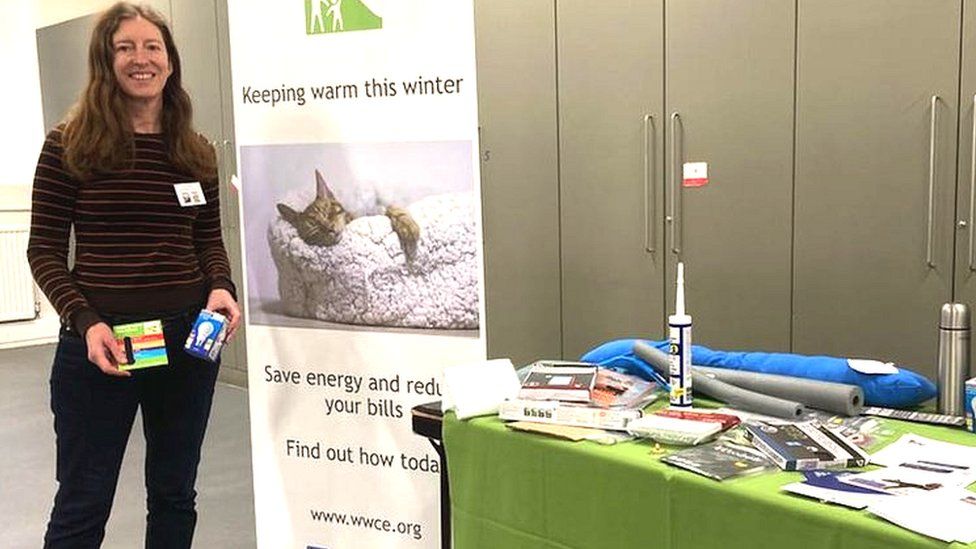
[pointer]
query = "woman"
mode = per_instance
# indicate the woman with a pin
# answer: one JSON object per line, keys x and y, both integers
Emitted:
{"x": 143, "y": 252}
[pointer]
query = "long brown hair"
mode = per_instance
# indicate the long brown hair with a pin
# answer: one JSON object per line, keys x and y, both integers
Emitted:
{"x": 98, "y": 134}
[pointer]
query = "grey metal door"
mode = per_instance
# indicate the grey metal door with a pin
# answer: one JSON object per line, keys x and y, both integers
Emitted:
{"x": 610, "y": 119}
{"x": 877, "y": 87}
{"x": 965, "y": 283}
{"x": 62, "y": 58}
{"x": 516, "y": 59}
{"x": 730, "y": 83}
{"x": 200, "y": 29}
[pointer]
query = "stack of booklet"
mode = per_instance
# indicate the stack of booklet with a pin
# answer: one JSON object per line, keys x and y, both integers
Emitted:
{"x": 682, "y": 427}
{"x": 579, "y": 394}
{"x": 803, "y": 446}
{"x": 763, "y": 443}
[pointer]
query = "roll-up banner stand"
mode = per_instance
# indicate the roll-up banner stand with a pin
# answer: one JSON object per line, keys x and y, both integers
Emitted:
{"x": 356, "y": 126}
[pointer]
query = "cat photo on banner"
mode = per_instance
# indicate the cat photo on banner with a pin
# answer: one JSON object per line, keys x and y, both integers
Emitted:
{"x": 382, "y": 235}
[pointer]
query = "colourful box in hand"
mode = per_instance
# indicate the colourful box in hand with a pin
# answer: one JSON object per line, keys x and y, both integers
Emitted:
{"x": 143, "y": 343}
{"x": 207, "y": 336}
{"x": 971, "y": 404}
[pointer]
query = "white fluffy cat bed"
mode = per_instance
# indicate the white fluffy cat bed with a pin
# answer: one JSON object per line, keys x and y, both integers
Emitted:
{"x": 365, "y": 278}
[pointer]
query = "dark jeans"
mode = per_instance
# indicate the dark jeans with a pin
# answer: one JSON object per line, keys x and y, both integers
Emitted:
{"x": 93, "y": 415}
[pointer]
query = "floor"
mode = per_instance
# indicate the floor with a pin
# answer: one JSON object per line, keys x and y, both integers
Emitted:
{"x": 27, "y": 482}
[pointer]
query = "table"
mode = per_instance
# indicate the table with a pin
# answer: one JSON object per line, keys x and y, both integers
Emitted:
{"x": 514, "y": 490}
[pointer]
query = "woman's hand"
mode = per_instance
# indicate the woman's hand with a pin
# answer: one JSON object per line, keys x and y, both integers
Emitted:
{"x": 104, "y": 350}
{"x": 221, "y": 301}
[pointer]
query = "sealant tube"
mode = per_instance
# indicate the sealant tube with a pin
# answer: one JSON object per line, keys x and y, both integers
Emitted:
{"x": 679, "y": 335}
{"x": 679, "y": 371}
{"x": 740, "y": 398}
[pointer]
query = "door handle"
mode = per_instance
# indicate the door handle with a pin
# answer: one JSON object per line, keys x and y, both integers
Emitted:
{"x": 972, "y": 186}
{"x": 648, "y": 209}
{"x": 226, "y": 144}
{"x": 219, "y": 157}
{"x": 673, "y": 218}
{"x": 931, "y": 206}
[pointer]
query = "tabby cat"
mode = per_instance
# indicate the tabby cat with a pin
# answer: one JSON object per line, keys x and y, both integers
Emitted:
{"x": 322, "y": 222}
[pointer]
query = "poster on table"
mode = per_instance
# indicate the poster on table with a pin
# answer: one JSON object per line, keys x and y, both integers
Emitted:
{"x": 356, "y": 132}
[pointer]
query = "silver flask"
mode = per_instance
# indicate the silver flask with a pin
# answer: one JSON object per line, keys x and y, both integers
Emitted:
{"x": 954, "y": 328}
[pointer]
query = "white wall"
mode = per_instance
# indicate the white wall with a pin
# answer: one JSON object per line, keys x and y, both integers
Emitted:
{"x": 21, "y": 139}
{"x": 23, "y": 129}
{"x": 49, "y": 12}
{"x": 20, "y": 97}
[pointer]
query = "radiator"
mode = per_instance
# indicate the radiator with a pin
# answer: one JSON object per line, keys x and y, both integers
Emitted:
{"x": 18, "y": 295}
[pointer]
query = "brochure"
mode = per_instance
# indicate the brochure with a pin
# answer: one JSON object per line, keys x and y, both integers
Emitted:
{"x": 914, "y": 464}
{"x": 673, "y": 430}
{"x": 567, "y": 383}
{"x": 833, "y": 480}
{"x": 619, "y": 390}
{"x": 144, "y": 344}
{"x": 901, "y": 481}
{"x": 858, "y": 429}
{"x": 719, "y": 460}
{"x": 570, "y": 432}
{"x": 828, "y": 486}
{"x": 727, "y": 421}
{"x": 946, "y": 515}
{"x": 803, "y": 446}
{"x": 565, "y": 413}
{"x": 912, "y": 447}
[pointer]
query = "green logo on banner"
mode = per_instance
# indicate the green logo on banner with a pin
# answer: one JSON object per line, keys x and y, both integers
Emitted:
{"x": 326, "y": 16}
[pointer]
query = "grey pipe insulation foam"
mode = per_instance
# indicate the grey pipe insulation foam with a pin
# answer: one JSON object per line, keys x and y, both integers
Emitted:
{"x": 740, "y": 398}
{"x": 838, "y": 398}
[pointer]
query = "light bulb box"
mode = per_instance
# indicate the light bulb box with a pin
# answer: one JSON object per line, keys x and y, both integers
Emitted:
{"x": 971, "y": 404}
{"x": 207, "y": 337}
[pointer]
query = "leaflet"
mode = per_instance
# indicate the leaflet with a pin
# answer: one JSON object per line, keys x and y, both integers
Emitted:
{"x": 719, "y": 460}
{"x": 917, "y": 464}
{"x": 947, "y": 515}
{"x": 912, "y": 447}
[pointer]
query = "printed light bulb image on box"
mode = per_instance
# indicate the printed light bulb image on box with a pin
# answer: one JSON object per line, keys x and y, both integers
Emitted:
{"x": 204, "y": 329}
{"x": 206, "y": 339}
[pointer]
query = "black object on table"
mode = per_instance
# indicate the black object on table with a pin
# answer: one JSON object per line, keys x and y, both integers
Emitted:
{"x": 427, "y": 420}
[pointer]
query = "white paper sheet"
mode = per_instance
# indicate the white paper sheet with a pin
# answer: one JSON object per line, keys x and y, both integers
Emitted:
{"x": 948, "y": 515}
{"x": 874, "y": 367}
{"x": 913, "y": 447}
{"x": 477, "y": 389}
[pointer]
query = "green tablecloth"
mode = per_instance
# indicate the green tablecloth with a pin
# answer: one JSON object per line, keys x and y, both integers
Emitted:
{"x": 514, "y": 490}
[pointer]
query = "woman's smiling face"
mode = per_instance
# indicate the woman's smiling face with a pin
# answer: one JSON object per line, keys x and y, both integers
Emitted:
{"x": 140, "y": 60}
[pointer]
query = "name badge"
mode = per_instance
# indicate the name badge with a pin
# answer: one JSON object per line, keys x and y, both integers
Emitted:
{"x": 190, "y": 194}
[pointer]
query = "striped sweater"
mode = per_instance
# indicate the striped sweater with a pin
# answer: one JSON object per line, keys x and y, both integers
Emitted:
{"x": 136, "y": 249}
